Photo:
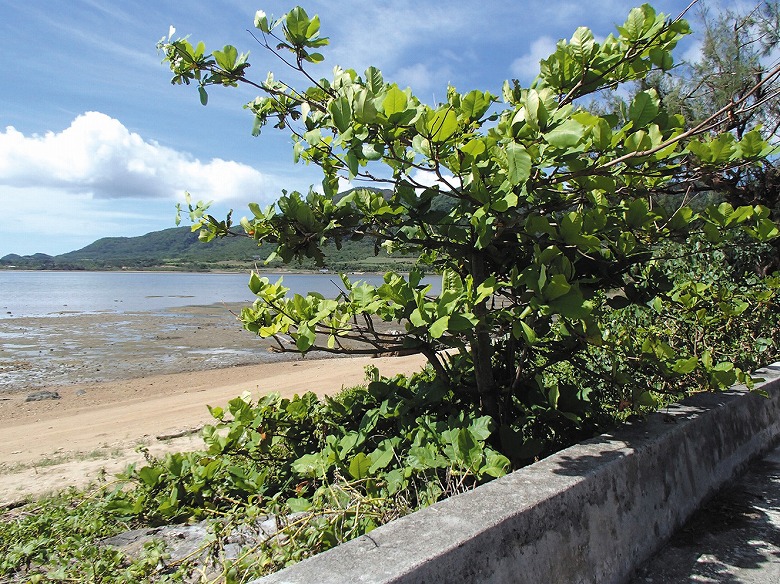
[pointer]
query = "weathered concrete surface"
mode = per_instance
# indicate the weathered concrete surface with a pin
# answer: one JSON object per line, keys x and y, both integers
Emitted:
{"x": 734, "y": 538}
{"x": 590, "y": 513}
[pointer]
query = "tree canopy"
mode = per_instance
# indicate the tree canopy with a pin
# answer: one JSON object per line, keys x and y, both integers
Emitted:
{"x": 550, "y": 225}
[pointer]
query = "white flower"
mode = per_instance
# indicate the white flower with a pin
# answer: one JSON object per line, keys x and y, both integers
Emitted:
{"x": 171, "y": 31}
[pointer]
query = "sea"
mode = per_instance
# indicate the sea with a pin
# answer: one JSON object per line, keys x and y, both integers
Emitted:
{"x": 63, "y": 328}
{"x": 54, "y": 293}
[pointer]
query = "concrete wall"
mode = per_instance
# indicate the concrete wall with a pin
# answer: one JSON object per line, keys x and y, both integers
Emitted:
{"x": 590, "y": 513}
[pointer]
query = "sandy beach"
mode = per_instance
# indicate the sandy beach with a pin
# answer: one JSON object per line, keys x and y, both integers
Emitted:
{"x": 137, "y": 389}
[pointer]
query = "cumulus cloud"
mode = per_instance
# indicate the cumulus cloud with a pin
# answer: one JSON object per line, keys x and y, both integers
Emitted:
{"x": 526, "y": 67}
{"x": 99, "y": 156}
{"x": 428, "y": 178}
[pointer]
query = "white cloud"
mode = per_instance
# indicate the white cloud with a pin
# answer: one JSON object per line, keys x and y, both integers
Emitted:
{"x": 526, "y": 67}
{"x": 427, "y": 178}
{"x": 99, "y": 156}
{"x": 423, "y": 79}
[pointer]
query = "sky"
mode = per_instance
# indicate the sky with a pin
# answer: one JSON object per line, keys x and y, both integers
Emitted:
{"x": 96, "y": 142}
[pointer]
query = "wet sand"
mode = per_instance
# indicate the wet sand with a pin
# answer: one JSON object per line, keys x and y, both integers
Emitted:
{"x": 78, "y": 348}
{"x": 126, "y": 379}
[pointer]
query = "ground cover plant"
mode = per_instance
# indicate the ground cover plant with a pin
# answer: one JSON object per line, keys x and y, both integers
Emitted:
{"x": 588, "y": 273}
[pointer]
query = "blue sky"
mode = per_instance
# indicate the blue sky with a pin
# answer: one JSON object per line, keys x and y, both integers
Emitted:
{"x": 96, "y": 142}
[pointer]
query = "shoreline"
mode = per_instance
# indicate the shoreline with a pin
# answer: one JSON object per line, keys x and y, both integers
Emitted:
{"x": 95, "y": 429}
{"x": 59, "y": 351}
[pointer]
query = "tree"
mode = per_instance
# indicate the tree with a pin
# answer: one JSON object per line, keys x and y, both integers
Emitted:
{"x": 545, "y": 217}
{"x": 738, "y": 52}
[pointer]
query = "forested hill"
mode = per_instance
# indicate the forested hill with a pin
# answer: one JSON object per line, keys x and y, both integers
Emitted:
{"x": 179, "y": 249}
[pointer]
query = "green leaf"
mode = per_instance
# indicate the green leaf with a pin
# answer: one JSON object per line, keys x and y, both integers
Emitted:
{"x": 556, "y": 287}
{"x": 382, "y": 456}
{"x": 395, "y": 102}
{"x": 566, "y": 135}
{"x": 359, "y": 466}
{"x": 468, "y": 450}
{"x": 442, "y": 125}
{"x": 519, "y": 163}
{"x": 644, "y": 108}
{"x": 474, "y": 105}
{"x": 661, "y": 59}
{"x": 341, "y": 112}
{"x": 636, "y": 215}
{"x": 752, "y": 144}
{"x": 374, "y": 81}
{"x": 685, "y": 366}
{"x": 226, "y": 58}
{"x": 364, "y": 110}
{"x": 310, "y": 465}
{"x": 299, "y": 505}
{"x": 536, "y": 114}
{"x": 647, "y": 399}
{"x": 474, "y": 147}
{"x": 297, "y": 24}
{"x": 633, "y": 28}
{"x": 520, "y": 328}
{"x": 439, "y": 327}
{"x": 582, "y": 43}
{"x": 150, "y": 475}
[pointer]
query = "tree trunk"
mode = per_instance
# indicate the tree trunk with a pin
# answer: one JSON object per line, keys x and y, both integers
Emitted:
{"x": 482, "y": 348}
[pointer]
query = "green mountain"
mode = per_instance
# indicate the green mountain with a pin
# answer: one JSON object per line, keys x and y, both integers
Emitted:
{"x": 179, "y": 249}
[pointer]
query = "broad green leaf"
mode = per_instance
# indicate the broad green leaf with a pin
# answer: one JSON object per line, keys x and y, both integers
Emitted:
{"x": 752, "y": 144}
{"x": 556, "y": 287}
{"x": 462, "y": 322}
{"x": 297, "y": 24}
{"x": 372, "y": 151}
{"x": 395, "y": 101}
{"x": 341, "y": 112}
{"x": 644, "y": 108}
{"x": 299, "y": 504}
{"x": 226, "y": 58}
{"x": 382, "y": 456}
{"x": 150, "y": 475}
{"x": 364, "y": 108}
{"x": 634, "y": 26}
{"x": 374, "y": 81}
{"x": 661, "y": 59}
{"x": 566, "y": 135}
{"x": 439, "y": 327}
{"x": 521, "y": 329}
{"x": 519, "y": 163}
{"x": 647, "y": 399}
{"x": 571, "y": 305}
{"x": 582, "y": 43}
{"x": 353, "y": 164}
{"x": 685, "y": 366}
{"x": 536, "y": 114}
{"x": 442, "y": 125}
{"x": 474, "y": 147}
{"x": 310, "y": 465}
{"x": 468, "y": 451}
{"x": 636, "y": 215}
{"x": 359, "y": 466}
{"x": 474, "y": 105}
